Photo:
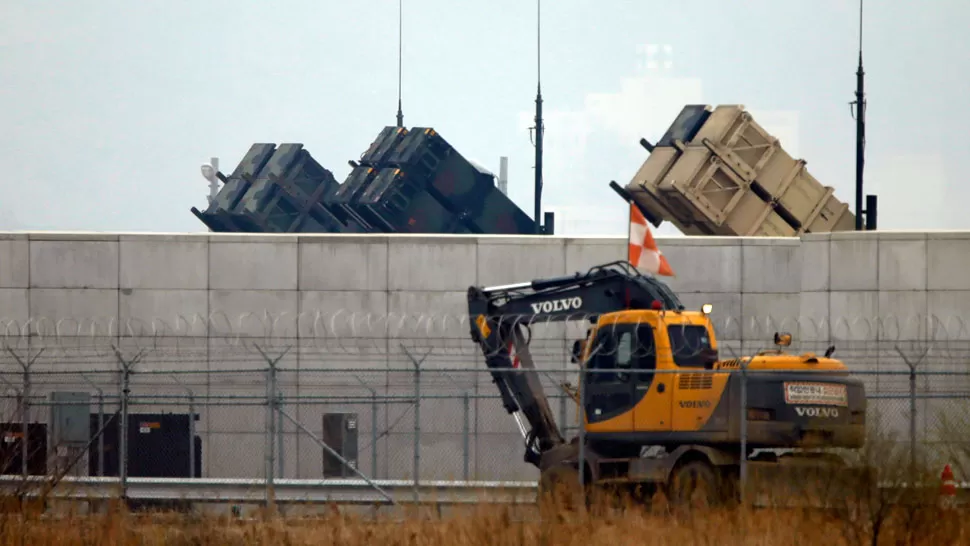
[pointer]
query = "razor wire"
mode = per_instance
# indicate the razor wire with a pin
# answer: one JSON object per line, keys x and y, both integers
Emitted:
{"x": 348, "y": 330}
{"x": 359, "y": 362}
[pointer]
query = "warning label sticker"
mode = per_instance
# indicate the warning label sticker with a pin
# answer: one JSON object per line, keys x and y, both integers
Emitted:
{"x": 825, "y": 394}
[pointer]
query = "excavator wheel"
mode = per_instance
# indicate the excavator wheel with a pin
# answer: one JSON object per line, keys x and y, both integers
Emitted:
{"x": 559, "y": 488}
{"x": 695, "y": 485}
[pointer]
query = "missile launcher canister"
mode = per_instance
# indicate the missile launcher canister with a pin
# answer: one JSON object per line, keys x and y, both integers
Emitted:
{"x": 407, "y": 181}
{"x": 718, "y": 172}
{"x": 273, "y": 190}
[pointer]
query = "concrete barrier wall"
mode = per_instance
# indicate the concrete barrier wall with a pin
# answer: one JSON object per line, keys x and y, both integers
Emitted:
{"x": 189, "y": 298}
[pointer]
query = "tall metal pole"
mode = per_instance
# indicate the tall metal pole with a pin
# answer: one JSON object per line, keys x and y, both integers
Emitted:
{"x": 25, "y": 407}
{"x": 101, "y": 433}
{"x": 464, "y": 436}
{"x": 417, "y": 427}
{"x": 912, "y": 422}
{"x": 860, "y": 131}
{"x": 123, "y": 427}
{"x": 539, "y": 128}
{"x": 192, "y": 461}
{"x": 280, "y": 437}
{"x": 25, "y": 424}
{"x": 373, "y": 433}
{"x": 271, "y": 409}
{"x": 743, "y": 462}
{"x": 400, "y": 49}
{"x": 270, "y": 433}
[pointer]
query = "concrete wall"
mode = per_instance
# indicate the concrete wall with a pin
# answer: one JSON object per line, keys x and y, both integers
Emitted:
{"x": 188, "y": 299}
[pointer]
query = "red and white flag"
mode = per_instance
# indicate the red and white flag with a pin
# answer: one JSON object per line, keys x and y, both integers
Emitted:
{"x": 643, "y": 252}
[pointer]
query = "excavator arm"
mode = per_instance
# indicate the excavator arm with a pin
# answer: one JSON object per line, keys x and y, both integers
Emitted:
{"x": 501, "y": 315}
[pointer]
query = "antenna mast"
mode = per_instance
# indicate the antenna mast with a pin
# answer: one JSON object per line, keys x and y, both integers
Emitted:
{"x": 860, "y": 133}
{"x": 400, "y": 26}
{"x": 538, "y": 127}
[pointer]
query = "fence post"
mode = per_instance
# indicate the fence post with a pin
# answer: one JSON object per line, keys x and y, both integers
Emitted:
{"x": 581, "y": 418}
{"x": 465, "y": 440}
{"x": 271, "y": 409}
{"x": 25, "y": 406}
{"x": 743, "y": 463}
{"x": 25, "y": 423}
{"x": 373, "y": 433}
{"x": 417, "y": 416}
{"x": 417, "y": 429}
{"x": 270, "y": 432}
{"x": 279, "y": 435}
{"x": 912, "y": 423}
{"x": 125, "y": 386}
{"x": 100, "y": 433}
{"x": 912, "y": 407}
{"x": 192, "y": 461}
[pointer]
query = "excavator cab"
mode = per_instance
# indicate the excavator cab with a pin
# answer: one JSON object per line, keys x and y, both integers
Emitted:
{"x": 641, "y": 376}
{"x": 689, "y": 337}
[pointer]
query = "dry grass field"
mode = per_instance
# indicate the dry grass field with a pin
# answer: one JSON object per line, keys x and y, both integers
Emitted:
{"x": 632, "y": 524}
{"x": 857, "y": 510}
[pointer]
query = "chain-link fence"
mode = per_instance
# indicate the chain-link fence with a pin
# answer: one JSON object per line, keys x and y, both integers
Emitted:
{"x": 347, "y": 395}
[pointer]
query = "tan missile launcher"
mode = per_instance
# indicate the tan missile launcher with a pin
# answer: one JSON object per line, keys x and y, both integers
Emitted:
{"x": 717, "y": 172}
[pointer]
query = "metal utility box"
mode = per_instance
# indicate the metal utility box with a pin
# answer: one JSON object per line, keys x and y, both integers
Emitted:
{"x": 11, "y": 448}
{"x": 711, "y": 161}
{"x": 340, "y": 434}
{"x": 69, "y": 422}
{"x": 159, "y": 446}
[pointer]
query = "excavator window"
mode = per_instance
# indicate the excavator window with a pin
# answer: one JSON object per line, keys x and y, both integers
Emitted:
{"x": 624, "y": 351}
{"x": 623, "y": 348}
{"x": 690, "y": 345}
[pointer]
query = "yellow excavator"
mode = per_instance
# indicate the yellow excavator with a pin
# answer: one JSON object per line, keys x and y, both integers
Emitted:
{"x": 658, "y": 406}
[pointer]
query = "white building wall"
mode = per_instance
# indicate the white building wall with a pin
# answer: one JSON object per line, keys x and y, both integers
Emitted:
{"x": 340, "y": 311}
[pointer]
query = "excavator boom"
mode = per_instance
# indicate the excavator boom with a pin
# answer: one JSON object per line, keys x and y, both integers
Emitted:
{"x": 500, "y": 315}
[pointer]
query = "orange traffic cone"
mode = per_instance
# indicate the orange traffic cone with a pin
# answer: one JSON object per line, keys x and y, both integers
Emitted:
{"x": 948, "y": 488}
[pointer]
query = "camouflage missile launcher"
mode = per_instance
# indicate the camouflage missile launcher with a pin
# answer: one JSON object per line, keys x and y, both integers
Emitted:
{"x": 273, "y": 190}
{"x": 405, "y": 182}
{"x": 718, "y": 172}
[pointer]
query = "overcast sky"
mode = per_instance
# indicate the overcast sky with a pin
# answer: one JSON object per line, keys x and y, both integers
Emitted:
{"x": 108, "y": 107}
